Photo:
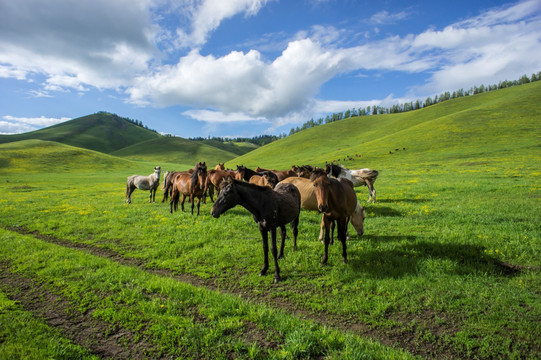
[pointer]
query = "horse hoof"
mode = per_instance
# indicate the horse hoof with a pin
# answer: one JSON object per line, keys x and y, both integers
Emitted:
{"x": 263, "y": 273}
{"x": 277, "y": 280}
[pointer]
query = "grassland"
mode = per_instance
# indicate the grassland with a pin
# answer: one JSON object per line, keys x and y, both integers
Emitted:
{"x": 448, "y": 266}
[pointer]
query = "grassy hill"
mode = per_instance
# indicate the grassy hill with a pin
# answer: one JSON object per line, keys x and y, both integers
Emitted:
{"x": 175, "y": 150}
{"x": 101, "y": 132}
{"x": 493, "y": 124}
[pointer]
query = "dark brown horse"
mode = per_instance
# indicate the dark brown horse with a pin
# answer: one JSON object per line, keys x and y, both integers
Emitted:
{"x": 281, "y": 174}
{"x": 243, "y": 173}
{"x": 337, "y": 201}
{"x": 304, "y": 171}
{"x": 189, "y": 184}
{"x": 270, "y": 208}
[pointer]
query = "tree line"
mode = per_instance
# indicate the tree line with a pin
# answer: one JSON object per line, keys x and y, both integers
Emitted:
{"x": 414, "y": 105}
{"x": 257, "y": 140}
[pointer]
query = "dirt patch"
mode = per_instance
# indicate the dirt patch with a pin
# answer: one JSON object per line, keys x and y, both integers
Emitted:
{"x": 404, "y": 337}
{"x": 101, "y": 339}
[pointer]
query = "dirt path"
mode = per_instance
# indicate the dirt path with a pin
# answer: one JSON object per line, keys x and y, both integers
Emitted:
{"x": 405, "y": 339}
{"x": 99, "y": 338}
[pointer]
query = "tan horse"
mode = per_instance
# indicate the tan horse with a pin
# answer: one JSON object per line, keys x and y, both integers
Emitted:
{"x": 215, "y": 178}
{"x": 337, "y": 201}
{"x": 263, "y": 180}
{"x": 150, "y": 182}
{"x": 309, "y": 202}
{"x": 220, "y": 166}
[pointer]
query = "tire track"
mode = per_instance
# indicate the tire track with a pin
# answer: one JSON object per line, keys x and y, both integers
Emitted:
{"x": 101, "y": 339}
{"x": 397, "y": 338}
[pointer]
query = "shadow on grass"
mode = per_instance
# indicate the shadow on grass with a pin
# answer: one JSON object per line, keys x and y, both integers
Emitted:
{"x": 384, "y": 211}
{"x": 417, "y": 257}
{"x": 393, "y": 201}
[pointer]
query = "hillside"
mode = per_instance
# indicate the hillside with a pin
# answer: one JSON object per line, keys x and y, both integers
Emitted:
{"x": 494, "y": 124}
{"x": 175, "y": 150}
{"x": 101, "y": 132}
{"x": 38, "y": 156}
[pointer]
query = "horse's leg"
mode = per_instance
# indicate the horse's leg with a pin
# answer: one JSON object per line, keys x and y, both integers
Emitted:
{"x": 129, "y": 190}
{"x": 342, "y": 226}
{"x": 322, "y": 231}
{"x": 327, "y": 223}
{"x": 265, "y": 239}
{"x": 192, "y": 200}
{"x": 150, "y": 198}
{"x": 182, "y": 202}
{"x": 295, "y": 231}
{"x": 282, "y": 244}
{"x": 198, "y": 205}
{"x": 275, "y": 254}
{"x": 332, "y": 232}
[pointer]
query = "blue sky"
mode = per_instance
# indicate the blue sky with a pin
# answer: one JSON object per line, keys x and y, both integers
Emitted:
{"x": 249, "y": 67}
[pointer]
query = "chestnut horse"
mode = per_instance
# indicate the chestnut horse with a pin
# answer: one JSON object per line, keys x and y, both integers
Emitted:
{"x": 366, "y": 177}
{"x": 270, "y": 208}
{"x": 141, "y": 182}
{"x": 304, "y": 171}
{"x": 309, "y": 202}
{"x": 215, "y": 178}
{"x": 189, "y": 184}
{"x": 337, "y": 201}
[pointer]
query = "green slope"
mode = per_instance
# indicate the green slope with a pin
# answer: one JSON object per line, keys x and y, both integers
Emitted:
{"x": 493, "y": 124}
{"x": 175, "y": 150}
{"x": 102, "y": 132}
{"x": 38, "y": 156}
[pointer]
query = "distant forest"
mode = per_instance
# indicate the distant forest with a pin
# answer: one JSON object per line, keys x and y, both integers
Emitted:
{"x": 418, "y": 104}
{"x": 257, "y": 140}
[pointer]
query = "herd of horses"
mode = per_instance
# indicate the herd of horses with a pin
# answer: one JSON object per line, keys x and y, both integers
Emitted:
{"x": 274, "y": 198}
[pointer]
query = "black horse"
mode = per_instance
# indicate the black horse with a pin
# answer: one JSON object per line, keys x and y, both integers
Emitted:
{"x": 271, "y": 208}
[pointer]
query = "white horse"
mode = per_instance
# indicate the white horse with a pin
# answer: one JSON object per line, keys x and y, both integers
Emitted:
{"x": 365, "y": 177}
{"x": 141, "y": 182}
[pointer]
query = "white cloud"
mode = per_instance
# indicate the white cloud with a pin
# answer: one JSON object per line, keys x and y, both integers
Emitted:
{"x": 207, "y": 15}
{"x": 219, "y": 117}
{"x": 384, "y": 17}
{"x": 16, "y": 125}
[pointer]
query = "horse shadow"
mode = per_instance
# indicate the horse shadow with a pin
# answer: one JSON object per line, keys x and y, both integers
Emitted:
{"x": 412, "y": 258}
{"x": 384, "y": 211}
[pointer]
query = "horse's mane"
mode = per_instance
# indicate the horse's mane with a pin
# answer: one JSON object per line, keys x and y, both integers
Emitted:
{"x": 335, "y": 170}
{"x": 252, "y": 186}
{"x": 317, "y": 173}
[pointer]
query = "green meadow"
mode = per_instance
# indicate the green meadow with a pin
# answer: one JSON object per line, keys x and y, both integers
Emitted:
{"x": 448, "y": 267}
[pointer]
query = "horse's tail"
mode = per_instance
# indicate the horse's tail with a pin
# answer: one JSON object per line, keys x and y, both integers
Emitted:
{"x": 175, "y": 196}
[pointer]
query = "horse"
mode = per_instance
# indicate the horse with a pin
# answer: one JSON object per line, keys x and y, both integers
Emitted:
{"x": 304, "y": 171}
{"x": 337, "y": 201}
{"x": 220, "y": 166}
{"x": 167, "y": 186}
{"x": 141, "y": 182}
{"x": 309, "y": 202}
{"x": 263, "y": 180}
{"x": 189, "y": 184}
{"x": 243, "y": 173}
{"x": 281, "y": 174}
{"x": 270, "y": 208}
{"x": 215, "y": 178}
{"x": 365, "y": 177}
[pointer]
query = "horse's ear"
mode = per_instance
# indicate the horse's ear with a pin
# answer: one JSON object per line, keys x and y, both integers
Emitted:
{"x": 327, "y": 169}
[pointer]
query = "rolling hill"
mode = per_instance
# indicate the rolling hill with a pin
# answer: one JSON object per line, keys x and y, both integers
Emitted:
{"x": 112, "y": 134}
{"x": 495, "y": 124}
{"x": 103, "y": 132}
{"x": 175, "y": 150}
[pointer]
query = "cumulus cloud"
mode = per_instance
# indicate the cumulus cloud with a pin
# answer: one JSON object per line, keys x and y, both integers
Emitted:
{"x": 206, "y": 16}
{"x": 17, "y": 125}
{"x": 115, "y": 45}
{"x": 89, "y": 42}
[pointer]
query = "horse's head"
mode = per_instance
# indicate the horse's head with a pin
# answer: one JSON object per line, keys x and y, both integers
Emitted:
{"x": 157, "y": 171}
{"x": 357, "y": 219}
{"x": 226, "y": 199}
{"x": 322, "y": 185}
{"x": 199, "y": 175}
